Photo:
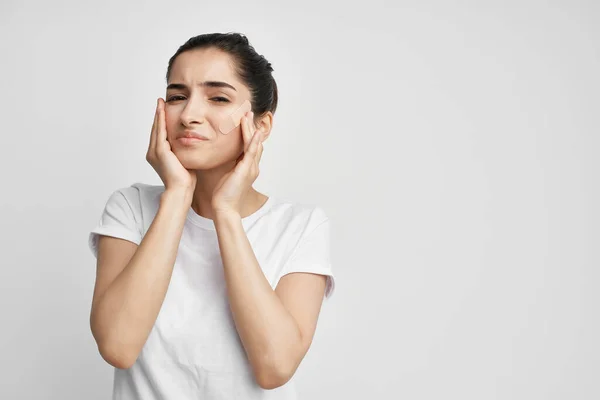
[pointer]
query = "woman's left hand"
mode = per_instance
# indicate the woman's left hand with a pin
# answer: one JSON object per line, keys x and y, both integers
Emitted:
{"x": 229, "y": 193}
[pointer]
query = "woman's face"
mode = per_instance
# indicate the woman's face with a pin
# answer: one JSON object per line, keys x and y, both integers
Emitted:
{"x": 193, "y": 105}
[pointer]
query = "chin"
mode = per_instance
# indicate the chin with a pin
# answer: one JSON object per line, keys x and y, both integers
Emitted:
{"x": 199, "y": 160}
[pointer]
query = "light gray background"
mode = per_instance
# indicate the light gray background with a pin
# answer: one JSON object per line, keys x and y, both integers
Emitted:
{"x": 454, "y": 144}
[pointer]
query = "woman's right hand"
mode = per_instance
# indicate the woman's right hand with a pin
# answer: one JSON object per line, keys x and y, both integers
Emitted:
{"x": 163, "y": 160}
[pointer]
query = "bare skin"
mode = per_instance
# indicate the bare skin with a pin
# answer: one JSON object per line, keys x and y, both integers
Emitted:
{"x": 215, "y": 178}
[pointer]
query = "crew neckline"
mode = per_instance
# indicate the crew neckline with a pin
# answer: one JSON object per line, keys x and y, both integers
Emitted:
{"x": 208, "y": 223}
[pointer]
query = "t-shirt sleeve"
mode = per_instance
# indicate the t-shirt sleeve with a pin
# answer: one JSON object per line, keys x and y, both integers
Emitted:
{"x": 312, "y": 254}
{"x": 120, "y": 219}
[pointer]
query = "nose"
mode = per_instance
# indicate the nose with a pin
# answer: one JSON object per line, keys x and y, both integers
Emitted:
{"x": 194, "y": 111}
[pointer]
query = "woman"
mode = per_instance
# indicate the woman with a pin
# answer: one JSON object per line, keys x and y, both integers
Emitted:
{"x": 206, "y": 288}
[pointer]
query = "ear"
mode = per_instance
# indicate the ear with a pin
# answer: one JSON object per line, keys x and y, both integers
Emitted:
{"x": 265, "y": 124}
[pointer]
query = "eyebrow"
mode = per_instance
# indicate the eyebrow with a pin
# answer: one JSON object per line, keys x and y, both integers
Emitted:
{"x": 216, "y": 84}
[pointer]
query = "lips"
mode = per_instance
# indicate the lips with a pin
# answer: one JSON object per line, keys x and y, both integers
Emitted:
{"x": 192, "y": 135}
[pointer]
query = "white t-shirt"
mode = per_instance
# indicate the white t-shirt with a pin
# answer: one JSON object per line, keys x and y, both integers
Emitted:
{"x": 193, "y": 350}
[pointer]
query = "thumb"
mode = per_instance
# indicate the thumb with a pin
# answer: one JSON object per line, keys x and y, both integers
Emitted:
{"x": 239, "y": 158}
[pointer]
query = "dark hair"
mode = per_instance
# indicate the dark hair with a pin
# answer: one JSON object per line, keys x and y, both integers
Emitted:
{"x": 252, "y": 68}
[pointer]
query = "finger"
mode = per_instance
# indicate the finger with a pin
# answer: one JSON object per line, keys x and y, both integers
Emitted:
{"x": 250, "y": 155}
{"x": 251, "y": 123}
{"x": 247, "y": 135}
{"x": 162, "y": 130}
{"x": 252, "y": 126}
{"x": 260, "y": 149}
{"x": 153, "y": 131}
{"x": 239, "y": 159}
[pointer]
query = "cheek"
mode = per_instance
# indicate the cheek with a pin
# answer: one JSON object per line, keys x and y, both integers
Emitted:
{"x": 220, "y": 120}
{"x": 232, "y": 142}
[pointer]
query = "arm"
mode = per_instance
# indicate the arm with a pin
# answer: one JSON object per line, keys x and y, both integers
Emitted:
{"x": 275, "y": 327}
{"x": 132, "y": 282}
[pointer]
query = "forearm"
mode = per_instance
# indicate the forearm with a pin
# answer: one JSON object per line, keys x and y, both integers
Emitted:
{"x": 269, "y": 333}
{"x": 128, "y": 309}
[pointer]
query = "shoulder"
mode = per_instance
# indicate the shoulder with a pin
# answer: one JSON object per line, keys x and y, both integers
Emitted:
{"x": 301, "y": 214}
{"x": 127, "y": 213}
{"x": 139, "y": 194}
{"x": 146, "y": 191}
{"x": 139, "y": 200}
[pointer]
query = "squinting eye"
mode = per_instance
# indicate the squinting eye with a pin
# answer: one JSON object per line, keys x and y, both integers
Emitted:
{"x": 219, "y": 99}
{"x": 172, "y": 98}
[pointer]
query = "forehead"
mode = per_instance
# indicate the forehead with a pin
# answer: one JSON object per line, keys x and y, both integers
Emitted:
{"x": 203, "y": 65}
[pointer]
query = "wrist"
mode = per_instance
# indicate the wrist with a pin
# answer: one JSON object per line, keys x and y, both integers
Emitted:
{"x": 177, "y": 197}
{"x": 226, "y": 214}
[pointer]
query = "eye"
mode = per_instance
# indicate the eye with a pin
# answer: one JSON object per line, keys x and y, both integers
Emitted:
{"x": 172, "y": 98}
{"x": 218, "y": 99}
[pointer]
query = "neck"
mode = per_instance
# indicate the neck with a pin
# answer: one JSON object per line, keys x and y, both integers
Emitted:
{"x": 207, "y": 180}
